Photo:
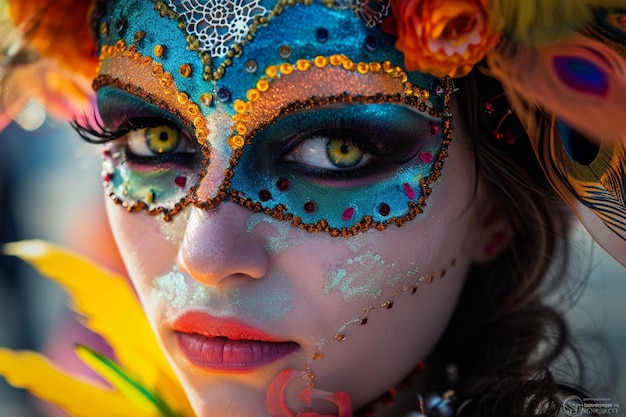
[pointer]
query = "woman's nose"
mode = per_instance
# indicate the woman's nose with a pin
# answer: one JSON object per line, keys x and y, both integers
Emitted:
{"x": 218, "y": 248}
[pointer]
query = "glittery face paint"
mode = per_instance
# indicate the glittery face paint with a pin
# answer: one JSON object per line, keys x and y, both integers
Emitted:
{"x": 302, "y": 134}
{"x": 174, "y": 231}
{"x": 361, "y": 276}
{"x": 181, "y": 292}
{"x": 277, "y": 238}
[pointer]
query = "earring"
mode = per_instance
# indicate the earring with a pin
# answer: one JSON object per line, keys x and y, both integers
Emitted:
{"x": 494, "y": 244}
{"x": 503, "y": 130}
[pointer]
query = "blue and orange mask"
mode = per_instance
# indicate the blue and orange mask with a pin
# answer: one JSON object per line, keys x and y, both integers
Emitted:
{"x": 300, "y": 111}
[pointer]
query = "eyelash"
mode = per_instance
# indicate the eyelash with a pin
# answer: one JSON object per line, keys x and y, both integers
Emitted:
{"x": 125, "y": 156}
{"x": 95, "y": 132}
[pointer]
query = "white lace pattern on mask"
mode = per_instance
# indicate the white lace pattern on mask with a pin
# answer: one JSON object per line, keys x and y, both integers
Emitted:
{"x": 372, "y": 12}
{"x": 218, "y": 24}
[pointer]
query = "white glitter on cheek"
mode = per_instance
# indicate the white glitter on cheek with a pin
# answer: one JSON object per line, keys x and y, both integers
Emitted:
{"x": 264, "y": 305}
{"x": 277, "y": 242}
{"x": 222, "y": 300}
{"x": 363, "y": 276}
{"x": 172, "y": 287}
{"x": 174, "y": 230}
{"x": 272, "y": 301}
{"x": 356, "y": 243}
{"x": 412, "y": 272}
{"x": 269, "y": 300}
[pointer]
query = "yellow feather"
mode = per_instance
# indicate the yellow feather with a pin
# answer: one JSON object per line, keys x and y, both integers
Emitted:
{"x": 112, "y": 310}
{"x": 123, "y": 381}
{"x": 32, "y": 371}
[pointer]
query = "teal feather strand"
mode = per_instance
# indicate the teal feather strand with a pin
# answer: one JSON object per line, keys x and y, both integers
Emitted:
{"x": 123, "y": 375}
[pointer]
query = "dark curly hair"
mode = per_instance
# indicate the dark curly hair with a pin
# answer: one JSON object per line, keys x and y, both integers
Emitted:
{"x": 503, "y": 337}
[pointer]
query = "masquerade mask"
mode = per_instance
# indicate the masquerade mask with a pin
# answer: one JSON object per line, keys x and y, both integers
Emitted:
{"x": 302, "y": 112}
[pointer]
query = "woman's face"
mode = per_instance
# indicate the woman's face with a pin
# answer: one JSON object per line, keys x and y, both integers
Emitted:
{"x": 244, "y": 282}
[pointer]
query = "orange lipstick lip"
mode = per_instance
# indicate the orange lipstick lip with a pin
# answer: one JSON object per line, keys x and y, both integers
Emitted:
{"x": 226, "y": 345}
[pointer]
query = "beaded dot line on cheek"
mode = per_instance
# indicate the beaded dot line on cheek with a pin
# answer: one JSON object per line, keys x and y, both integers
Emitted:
{"x": 255, "y": 97}
{"x": 343, "y": 332}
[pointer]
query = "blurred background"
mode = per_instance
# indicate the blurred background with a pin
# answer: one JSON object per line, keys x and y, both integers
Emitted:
{"x": 50, "y": 188}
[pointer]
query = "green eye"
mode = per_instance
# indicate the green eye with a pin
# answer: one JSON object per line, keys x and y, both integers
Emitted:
{"x": 159, "y": 140}
{"x": 329, "y": 152}
{"x": 343, "y": 154}
{"x": 162, "y": 139}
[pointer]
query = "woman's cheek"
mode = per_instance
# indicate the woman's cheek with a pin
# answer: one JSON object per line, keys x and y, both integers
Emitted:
{"x": 387, "y": 295}
{"x": 174, "y": 230}
{"x": 403, "y": 323}
{"x": 148, "y": 248}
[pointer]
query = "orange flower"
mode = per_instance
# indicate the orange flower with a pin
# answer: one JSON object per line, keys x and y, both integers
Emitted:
{"x": 58, "y": 30}
{"x": 60, "y": 79}
{"x": 443, "y": 37}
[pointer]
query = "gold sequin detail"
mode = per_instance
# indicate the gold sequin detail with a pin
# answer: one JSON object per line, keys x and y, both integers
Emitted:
{"x": 336, "y": 60}
{"x": 120, "y": 45}
{"x": 271, "y": 71}
{"x": 375, "y": 67}
{"x": 253, "y": 94}
{"x": 183, "y": 98}
{"x": 262, "y": 85}
{"x": 241, "y": 129}
{"x": 193, "y": 109}
{"x": 146, "y": 61}
{"x": 199, "y": 122}
{"x": 206, "y": 99}
{"x": 157, "y": 69}
{"x": 320, "y": 61}
{"x": 239, "y": 105}
{"x": 167, "y": 82}
{"x": 158, "y": 51}
{"x": 286, "y": 68}
{"x": 139, "y": 36}
{"x": 201, "y": 134}
{"x": 185, "y": 70}
{"x": 303, "y": 64}
{"x": 348, "y": 65}
{"x": 236, "y": 141}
